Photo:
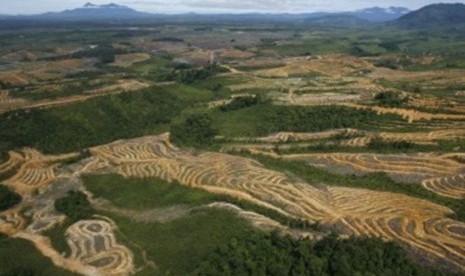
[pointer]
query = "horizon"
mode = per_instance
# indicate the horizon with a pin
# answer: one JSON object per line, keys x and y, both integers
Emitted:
{"x": 215, "y": 6}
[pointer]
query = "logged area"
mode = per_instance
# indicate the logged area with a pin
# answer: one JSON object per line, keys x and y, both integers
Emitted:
{"x": 251, "y": 144}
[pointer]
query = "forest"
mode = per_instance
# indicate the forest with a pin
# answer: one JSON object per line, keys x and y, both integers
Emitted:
{"x": 274, "y": 255}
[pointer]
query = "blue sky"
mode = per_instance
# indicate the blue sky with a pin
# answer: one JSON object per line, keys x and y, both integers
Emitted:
{"x": 211, "y": 6}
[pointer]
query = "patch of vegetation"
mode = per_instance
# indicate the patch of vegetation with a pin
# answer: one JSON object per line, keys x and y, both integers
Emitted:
{"x": 146, "y": 193}
{"x": 94, "y": 122}
{"x": 168, "y": 39}
{"x": 8, "y": 198}
{"x": 391, "y": 99}
{"x": 58, "y": 237}
{"x": 264, "y": 119}
{"x": 104, "y": 52}
{"x": 382, "y": 145}
{"x": 178, "y": 246}
{"x": 240, "y": 102}
{"x": 187, "y": 76}
{"x": 195, "y": 131}
{"x": 75, "y": 206}
{"x": 271, "y": 254}
{"x": 20, "y": 258}
{"x": 460, "y": 210}
{"x": 376, "y": 146}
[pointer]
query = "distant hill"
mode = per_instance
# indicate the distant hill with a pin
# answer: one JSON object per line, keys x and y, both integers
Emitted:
{"x": 434, "y": 15}
{"x": 95, "y": 12}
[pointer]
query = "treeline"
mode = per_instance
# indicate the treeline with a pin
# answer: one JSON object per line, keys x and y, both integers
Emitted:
{"x": 271, "y": 254}
{"x": 90, "y": 123}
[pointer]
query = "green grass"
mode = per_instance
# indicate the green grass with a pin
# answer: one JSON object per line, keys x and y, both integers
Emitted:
{"x": 145, "y": 193}
{"x": 19, "y": 257}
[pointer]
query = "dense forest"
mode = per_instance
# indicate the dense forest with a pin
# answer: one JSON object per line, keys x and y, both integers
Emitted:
{"x": 271, "y": 254}
{"x": 90, "y": 123}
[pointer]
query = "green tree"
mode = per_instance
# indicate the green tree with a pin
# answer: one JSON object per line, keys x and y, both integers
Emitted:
{"x": 195, "y": 131}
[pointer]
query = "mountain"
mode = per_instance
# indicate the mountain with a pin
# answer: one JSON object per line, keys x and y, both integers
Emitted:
{"x": 377, "y": 14}
{"x": 434, "y": 15}
{"x": 118, "y": 14}
{"x": 95, "y": 12}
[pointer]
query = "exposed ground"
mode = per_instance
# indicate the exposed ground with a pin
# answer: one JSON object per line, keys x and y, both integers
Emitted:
{"x": 416, "y": 223}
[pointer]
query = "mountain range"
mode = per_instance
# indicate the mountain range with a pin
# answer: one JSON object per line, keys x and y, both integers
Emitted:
{"x": 113, "y": 11}
{"x": 432, "y": 15}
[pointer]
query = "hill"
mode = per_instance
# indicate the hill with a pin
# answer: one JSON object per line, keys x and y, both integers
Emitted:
{"x": 434, "y": 15}
{"x": 95, "y": 12}
{"x": 113, "y": 12}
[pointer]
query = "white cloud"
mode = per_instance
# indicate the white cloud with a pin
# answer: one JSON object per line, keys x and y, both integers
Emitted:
{"x": 177, "y": 6}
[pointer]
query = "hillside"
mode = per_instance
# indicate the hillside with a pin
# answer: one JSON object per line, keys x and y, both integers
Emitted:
{"x": 434, "y": 15}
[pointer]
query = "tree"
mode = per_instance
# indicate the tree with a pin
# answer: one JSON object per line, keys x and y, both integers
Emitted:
{"x": 195, "y": 131}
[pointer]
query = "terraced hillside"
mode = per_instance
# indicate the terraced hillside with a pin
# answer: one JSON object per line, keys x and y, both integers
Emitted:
{"x": 421, "y": 225}
{"x": 416, "y": 223}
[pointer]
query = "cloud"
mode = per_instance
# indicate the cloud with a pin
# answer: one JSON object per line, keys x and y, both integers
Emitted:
{"x": 296, "y": 6}
{"x": 210, "y": 6}
{"x": 276, "y": 5}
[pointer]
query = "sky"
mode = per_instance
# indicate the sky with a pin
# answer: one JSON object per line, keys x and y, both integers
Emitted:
{"x": 213, "y": 6}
